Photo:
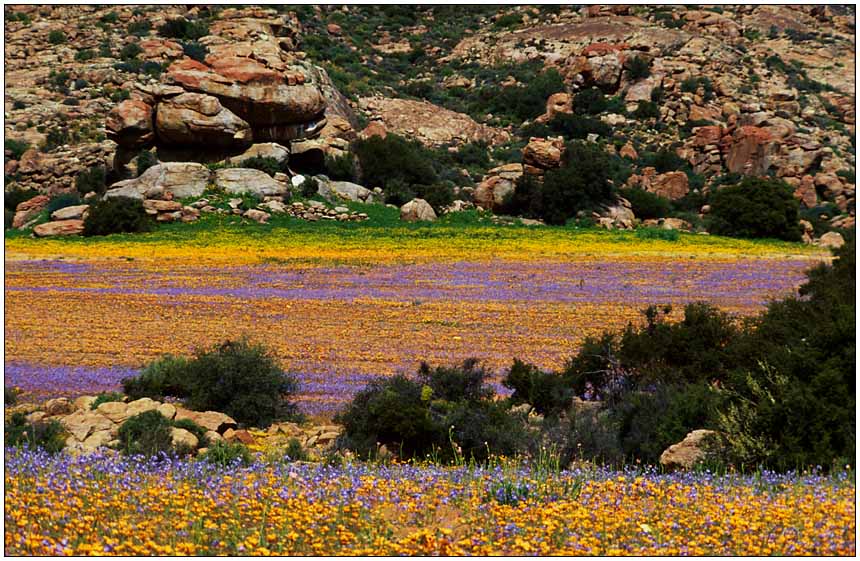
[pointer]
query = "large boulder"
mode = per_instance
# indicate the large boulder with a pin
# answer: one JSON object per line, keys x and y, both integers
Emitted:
{"x": 75, "y": 212}
{"x": 129, "y": 124}
{"x": 59, "y": 228}
{"x": 417, "y": 210}
{"x": 831, "y": 240}
{"x": 687, "y": 453}
{"x": 194, "y": 118}
{"x": 263, "y": 150}
{"x": 82, "y": 423}
{"x": 672, "y": 185}
{"x": 209, "y": 420}
{"x": 29, "y": 209}
{"x": 543, "y": 153}
{"x": 280, "y": 105}
{"x": 178, "y": 179}
{"x": 236, "y": 181}
{"x": 181, "y": 438}
{"x": 344, "y": 190}
{"x": 750, "y": 150}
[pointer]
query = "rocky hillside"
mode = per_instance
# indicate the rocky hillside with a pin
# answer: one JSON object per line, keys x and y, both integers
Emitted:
{"x": 685, "y": 99}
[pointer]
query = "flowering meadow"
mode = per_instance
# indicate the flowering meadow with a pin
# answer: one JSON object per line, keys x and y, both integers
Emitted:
{"x": 130, "y": 506}
{"x": 340, "y": 307}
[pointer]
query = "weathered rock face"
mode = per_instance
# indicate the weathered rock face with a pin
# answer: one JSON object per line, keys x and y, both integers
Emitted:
{"x": 172, "y": 179}
{"x": 59, "y": 228}
{"x": 417, "y": 210}
{"x": 543, "y": 153}
{"x": 558, "y": 103}
{"x": 672, "y": 185}
{"x": 750, "y": 151}
{"x": 497, "y": 185}
{"x": 29, "y": 209}
{"x": 279, "y": 105}
{"x": 263, "y": 150}
{"x": 129, "y": 124}
{"x": 193, "y": 118}
{"x": 688, "y": 452}
{"x": 70, "y": 212}
{"x": 245, "y": 180}
{"x": 344, "y": 190}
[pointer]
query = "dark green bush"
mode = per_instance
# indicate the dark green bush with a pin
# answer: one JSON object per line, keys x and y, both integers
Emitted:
{"x": 139, "y": 28}
{"x": 56, "y": 37}
{"x": 546, "y": 392}
{"x": 225, "y": 454}
{"x": 589, "y": 102}
{"x": 447, "y": 414}
{"x": 473, "y": 155}
{"x": 639, "y": 68}
{"x": 85, "y": 55}
{"x": 383, "y": 160}
{"x": 295, "y": 451}
{"x": 310, "y": 187}
{"x": 130, "y": 51}
{"x": 10, "y": 395}
{"x": 116, "y": 215}
{"x": 340, "y": 168}
{"x": 181, "y": 28}
{"x": 692, "y": 85}
{"x": 236, "y": 377}
{"x": 647, "y": 110}
{"x": 570, "y": 126}
{"x": 269, "y": 165}
{"x": 16, "y": 147}
{"x": 755, "y": 208}
{"x": 16, "y": 196}
{"x": 144, "y": 161}
{"x": 193, "y": 49}
{"x": 647, "y": 205}
{"x": 581, "y": 184}
{"x": 18, "y": 104}
{"x": 62, "y": 201}
{"x": 48, "y": 435}
{"x": 147, "y": 433}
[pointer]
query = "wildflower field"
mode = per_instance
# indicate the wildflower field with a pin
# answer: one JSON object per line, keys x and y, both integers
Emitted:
{"x": 340, "y": 306}
{"x": 110, "y": 506}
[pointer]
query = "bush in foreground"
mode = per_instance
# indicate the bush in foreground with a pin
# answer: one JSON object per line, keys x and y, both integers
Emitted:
{"x": 48, "y": 435}
{"x": 150, "y": 433}
{"x": 756, "y": 208}
{"x": 117, "y": 215}
{"x": 238, "y": 378}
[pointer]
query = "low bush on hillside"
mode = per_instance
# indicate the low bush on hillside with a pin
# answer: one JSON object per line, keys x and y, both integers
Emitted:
{"x": 341, "y": 168}
{"x": 181, "y": 28}
{"x": 17, "y": 195}
{"x": 62, "y": 201}
{"x": 115, "y": 216}
{"x": 227, "y": 454}
{"x": 581, "y": 184}
{"x": 56, "y": 37}
{"x": 446, "y": 414}
{"x": 639, "y": 68}
{"x": 755, "y": 208}
{"x": 48, "y": 435}
{"x": 150, "y": 434}
{"x": 266, "y": 164}
{"x": 778, "y": 387}
{"x": 16, "y": 147}
{"x": 91, "y": 180}
{"x": 238, "y": 378}
{"x": 144, "y": 161}
{"x": 647, "y": 205}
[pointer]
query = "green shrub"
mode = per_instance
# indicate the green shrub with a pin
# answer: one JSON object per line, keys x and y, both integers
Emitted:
{"x": 110, "y": 17}
{"x": 639, "y": 68}
{"x": 91, "y": 180}
{"x": 181, "y": 28}
{"x": 139, "y": 28}
{"x": 62, "y": 201}
{"x": 107, "y": 397}
{"x": 589, "y": 102}
{"x": 10, "y": 395}
{"x": 85, "y": 55}
{"x": 130, "y": 51}
{"x": 647, "y": 110}
{"x": 755, "y": 208}
{"x": 16, "y": 196}
{"x": 447, "y": 414}
{"x": 194, "y": 50}
{"x": 48, "y": 435}
{"x": 236, "y": 377}
{"x": 546, "y": 392}
{"x": 147, "y": 433}
{"x": 383, "y": 160}
{"x": 473, "y": 155}
{"x": 116, "y": 215}
{"x": 340, "y": 168}
{"x": 18, "y": 104}
{"x": 295, "y": 452}
{"x": 647, "y": 205}
{"x": 692, "y": 85}
{"x": 657, "y": 234}
{"x": 225, "y": 454}
{"x": 581, "y": 184}
{"x": 144, "y": 161}
{"x": 310, "y": 187}
{"x": 268, "y": 165}
{"x": 56, "y": 37}
{"x": 16, "y": 147}
{"x": 570, "y": 126}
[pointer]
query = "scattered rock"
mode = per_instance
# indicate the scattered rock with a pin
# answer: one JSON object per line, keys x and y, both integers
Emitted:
{"x": 417, "y": 210}
{"x": 687, "y": 453}
{"x": 59, "y": 228}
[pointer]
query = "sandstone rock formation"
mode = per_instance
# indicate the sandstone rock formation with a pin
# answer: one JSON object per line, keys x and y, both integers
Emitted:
{"x": 687, "y": 453}
{"x": 417, "y": 210}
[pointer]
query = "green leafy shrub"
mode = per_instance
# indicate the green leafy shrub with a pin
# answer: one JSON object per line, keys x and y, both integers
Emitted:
{"x": 581, "y": 184}
{"x": 447, "y": 413}
{"x": 295, "y": 451}
{"x": 195, "y": 50}
{"x": 570, "y": 126}
{"x": 107, "y": 397}
{"x": 85, "y": 55}
{"x": 139, "y": 28}
{"x": 147, "y": 433}
{"x": 236, "y": 377}
{"x": 647, "y": 205}
{"x": 48, "y": 435}
{"x": 181, "y": 28}
{"x": 638, "y": 67}
{"x": 310, "y": 187}
{"x": 16, "y": 196}
{"x": 116, "y": 215}
{"x": 130, "y": 51}
{"x": 144, "y": 161}
{"x": 657, "y": 234}
{"x": 692, "y": 85}
{"x": 546, "y": 392}
{"x": 91, "y": 180}
{"x": 10, "y": 395}
{"x": 756, "y": 208}
{"x": 647, "y": 110}
{"x": 16, "y": 147}
{"x": 226, "y": 454}
{"x": 56, "y": 37}
{"x": 340, "y": 168}
{"x": 589, "y": 102}
{"x": 62, "y": 201}
{"x": 267, "y": 164}
{"x": 383, "y": 160}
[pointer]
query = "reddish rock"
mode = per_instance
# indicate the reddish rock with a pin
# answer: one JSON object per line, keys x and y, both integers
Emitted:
{"x": 374, "y": 128}
{"x": 491, "y": 193}
{"x": 805, "y": 192}
{"x": 555, "y": 104}
{"x": 31, "y": 161}
{"x": 160, "y": 49}
{"x": 672, "y": 185}
{"x": 334, "y": 29}
{"x": 29, "y": 209}
{"x": 710, "y": 134}
{"x": 59, "y": 228}
{"x": 193, "y": 118}
{"x": 628, "y": 151}
{"x": 129, "y": 124}
{"x": 749, "y": 151}
{"x": 829, "y": 183}
{"x": 543, "y": 153}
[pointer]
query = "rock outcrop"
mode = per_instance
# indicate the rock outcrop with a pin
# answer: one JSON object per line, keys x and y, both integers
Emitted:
{"x": 687, "y": 453}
